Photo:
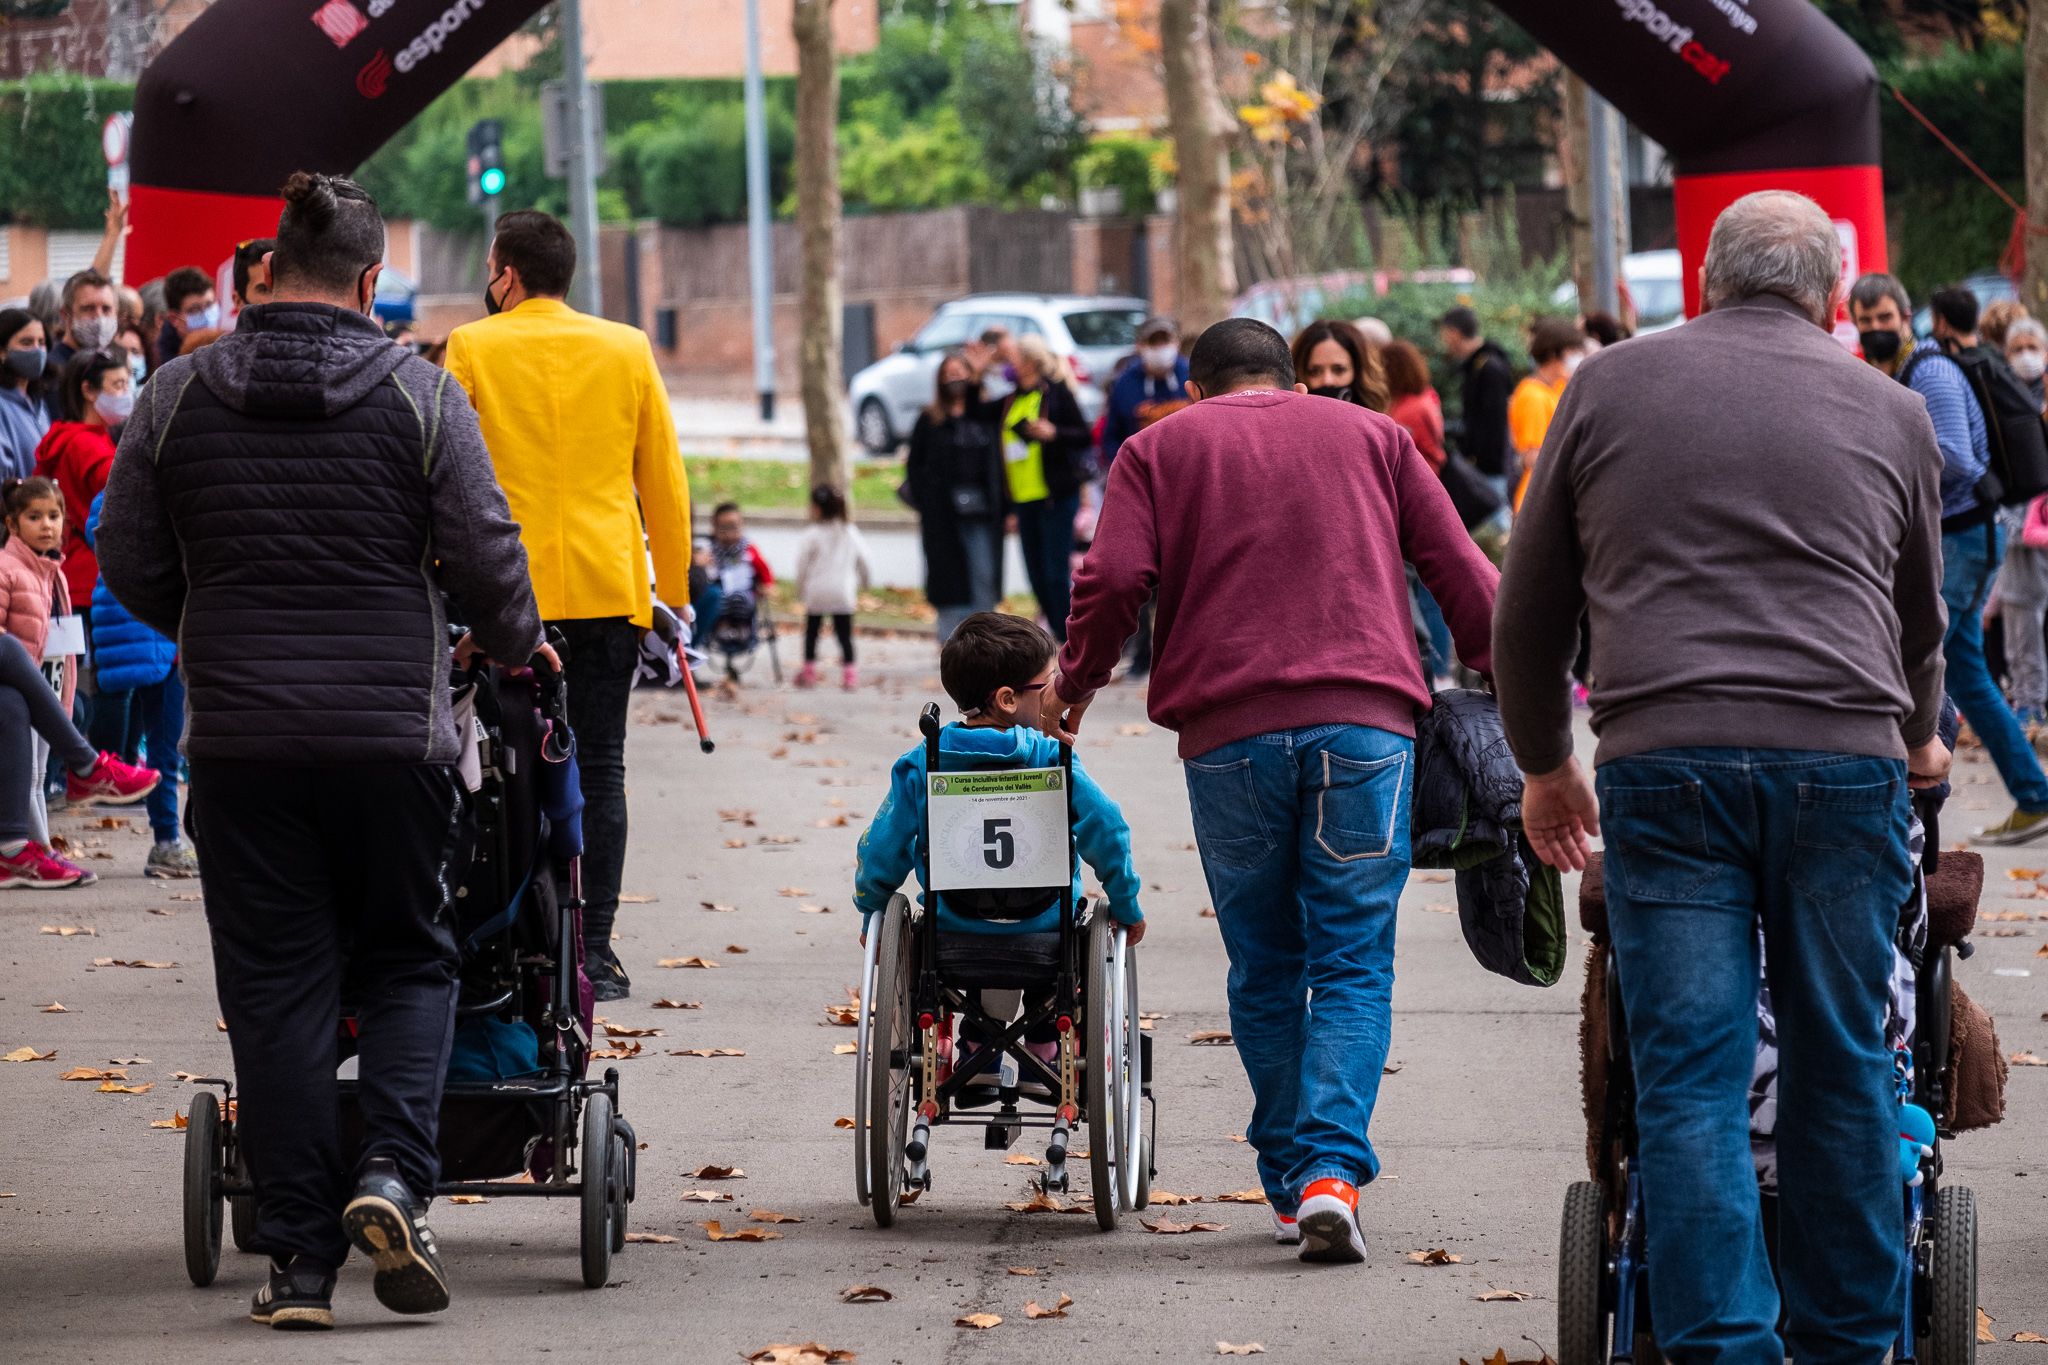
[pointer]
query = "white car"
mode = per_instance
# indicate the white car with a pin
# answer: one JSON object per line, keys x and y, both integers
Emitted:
{"x": 1093, "y": 332}
{"x": 1656, "y": 286}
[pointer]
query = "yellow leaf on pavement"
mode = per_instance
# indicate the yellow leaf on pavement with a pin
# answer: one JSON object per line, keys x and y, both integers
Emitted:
{"x": 718, "y": 1173}
{"x": 1501, "y": 1296}
{"x": 116, "y": 1088}
{"x": 687, "y": 962}
{"x": 1034, "y": 1309}
{"x": 716, "y": 1231}
{"x": 980, "y": 1322}
{"x": 771, "y": 1216}
{"x": 27, "y": 1054}
{"x": 660, "y": 1238}
{"x": 865, "y": 1293}
{"x": 1250, "y": 1348}
{"x": 1436, "y": 1257}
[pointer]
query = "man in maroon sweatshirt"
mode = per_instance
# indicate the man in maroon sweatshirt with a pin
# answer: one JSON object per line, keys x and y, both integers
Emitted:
{"x": 1272, "y": 526}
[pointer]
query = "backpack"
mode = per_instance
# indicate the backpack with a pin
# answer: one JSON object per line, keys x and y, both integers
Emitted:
{"x": 2013, "y": 426}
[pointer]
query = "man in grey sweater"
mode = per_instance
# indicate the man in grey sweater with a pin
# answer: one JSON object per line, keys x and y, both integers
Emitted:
{"x": 289, "y": 504}
{"x": 1752, "y": 520}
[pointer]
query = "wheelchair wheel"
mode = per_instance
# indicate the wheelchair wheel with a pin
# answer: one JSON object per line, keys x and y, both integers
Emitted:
{"x": 1952, "y": 1325}
{"x": 597, "y": 1181}
{"x": 1582, "y": 1277}
{"x": 204, "y": 1154}
{"x": 242, "y": 1210}
{"x": 1109, "y": 1059}
{"x": 864, "y": 1040}
{"x": 616, "y": 1177}
{"x": 892, "y": 1053}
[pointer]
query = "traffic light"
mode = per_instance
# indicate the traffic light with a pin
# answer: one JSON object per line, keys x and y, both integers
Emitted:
{"x": 486, "y": 161}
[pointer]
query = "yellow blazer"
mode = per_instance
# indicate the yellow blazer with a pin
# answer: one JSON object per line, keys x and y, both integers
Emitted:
{"x": 578, "y": 422}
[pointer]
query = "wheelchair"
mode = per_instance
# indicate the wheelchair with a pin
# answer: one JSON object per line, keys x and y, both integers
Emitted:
{"x": 1603, "y": 1272}
{"x": 996, "y": 833}
{"x": 744, "y": 625}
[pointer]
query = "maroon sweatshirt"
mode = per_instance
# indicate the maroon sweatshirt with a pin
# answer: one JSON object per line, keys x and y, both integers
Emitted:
{"x": 1273, "y": 526}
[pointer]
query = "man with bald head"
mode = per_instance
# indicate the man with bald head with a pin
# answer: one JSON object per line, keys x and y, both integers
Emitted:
{"x": 1752, "y": 521}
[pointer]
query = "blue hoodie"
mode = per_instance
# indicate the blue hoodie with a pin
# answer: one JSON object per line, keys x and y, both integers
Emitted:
{"x": 889, "y": 851}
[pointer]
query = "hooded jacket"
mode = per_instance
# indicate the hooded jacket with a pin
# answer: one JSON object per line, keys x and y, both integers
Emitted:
{"x": 125, "y": 653}
{"x": 76, "y": 456}
{"x": 289, "y": 505}
{"x": 31, "y": 592}
{"x": 892, "y": 848}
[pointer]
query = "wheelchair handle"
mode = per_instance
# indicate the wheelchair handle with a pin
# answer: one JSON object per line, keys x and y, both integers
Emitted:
{"x": 928, "y": 721}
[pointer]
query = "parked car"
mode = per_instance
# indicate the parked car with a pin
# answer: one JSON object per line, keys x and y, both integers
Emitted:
{"x": 1655, "y": 284}
{"x": 1093, "y": 332}
{"x": 1289, "y": 305}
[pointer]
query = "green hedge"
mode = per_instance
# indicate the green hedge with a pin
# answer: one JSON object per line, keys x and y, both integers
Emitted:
{"x": 51, "y": 171}
{"x": 1942, "y": 222}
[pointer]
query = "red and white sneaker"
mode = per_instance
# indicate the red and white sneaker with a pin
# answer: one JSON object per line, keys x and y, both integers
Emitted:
{"x": 1286, "y": 1230}
{"x": 112, "y": 783}
{"x": 38, "y": 869}
{"x": 1329, "y": 1222}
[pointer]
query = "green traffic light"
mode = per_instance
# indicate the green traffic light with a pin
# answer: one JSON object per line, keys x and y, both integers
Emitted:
{"x": 492, "y": 181}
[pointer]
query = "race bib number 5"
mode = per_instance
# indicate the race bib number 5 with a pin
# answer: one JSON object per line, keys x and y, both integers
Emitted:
{"x": 999, "y": 829}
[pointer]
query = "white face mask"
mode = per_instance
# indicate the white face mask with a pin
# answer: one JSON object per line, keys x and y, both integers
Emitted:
{"x": 1572, "y": 361}
{"x": 2029, "y": 365}
{"x": 114, "y": 408}
{"x": 1160, "y": 359}
{"x": 93, "y": 334}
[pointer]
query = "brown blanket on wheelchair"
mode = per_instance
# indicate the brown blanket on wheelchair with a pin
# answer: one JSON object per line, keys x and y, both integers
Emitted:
{"x": 1977, "y": 1066}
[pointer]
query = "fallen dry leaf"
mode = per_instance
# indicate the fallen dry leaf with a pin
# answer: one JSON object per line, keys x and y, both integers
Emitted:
{"x": 2025, "y": 1059}
{"x": 2030, "y": 1338}
{"x": 54, "y": 1007}
{"x": 186, "y": 896}
{"x": 706, "y": 1197}
{"x": 780, "y": 839}
{"x": 843, "y": 1121}
{"x": 1241, "y": 1197}
{"x": 1250, "y": 1348}
{"x": 1984, "y": 1332}
{"x": 1501, "y": 1296}
{"x": 625, "y": 1031}
{"x": 771, "y": 1216}
{"x": 1026, "y": 1159}
{"x": 839, "y": 821}
{"x": 137, "y": 962}
{"x": 844, "y": 1049}
{"x": 467, "y": 1199}
{"x": 714, "y": 907}
{"x": 847, "y": 1016}
{"x": 636, "y": 898}
{"x": 865, "y": 1293}
{"x": 815, "y": 909}
{"x": 907, "y": 1198}
{"x": 1134, "y": 728}
{"x": 175, "y": 1121}
{"x": 620, "y": 1053}
{"x": 1168, "y": 1199}
{"x": 140, "y": 1061}
{"x": 2006, "y": 931}
{"x": 2041, "y": 951}
{"x": 69, "y": 930}
{"x": 93, "y": 1073}
{"x": 810, "y": 1353}
{"x": 116, "y": 1088}
{"x": 1168, "y": 1226}
{"x": 980, "y": 1322}
{"x": 1023, "y": 1270}
{"x": 1439, "y": 908}
{"x": 1436, "y": 1257}
{"x": 2025, "y": 874}
{"x": 2009, "y": 915}
{"x": 718, "y": 1173}
{"x": 735, "y": 843}
{"x": 737, "y": 817}
{"x": 1034, "y": 1309}
{"x": 794, "y": 893}
{"x": 735, "y": 949}
{"x": 716, "y": 1232}
{"x": 160, "y": 910}
{"x": 28, "y": 1054}
{"x": 220, "y": 1026}
{"x": 707, "y": 1052}
{"x": 667, "y": 1004}
{"x": 1206, "y": 913}
{"x": 686, "y": 962}
{"x": 1391, "y": 1068}
{"x": 1210, "y": 1037}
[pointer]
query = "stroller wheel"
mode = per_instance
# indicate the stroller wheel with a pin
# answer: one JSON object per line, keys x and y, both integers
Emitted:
{"x": 616, "y": 1178}
{"x": 597, "y": 1179}
{"x": 1582, "y": 1277}
{"x": 204, "y": 1154}
{"x": 1952, "y": 1325}
{"x": 242, "y": 1211}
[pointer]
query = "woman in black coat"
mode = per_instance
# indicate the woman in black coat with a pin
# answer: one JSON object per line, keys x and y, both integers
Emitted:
{"x": 954, "y": 479}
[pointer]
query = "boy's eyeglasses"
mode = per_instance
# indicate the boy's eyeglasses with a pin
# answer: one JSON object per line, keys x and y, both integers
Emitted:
{"x": 983, "y": 708}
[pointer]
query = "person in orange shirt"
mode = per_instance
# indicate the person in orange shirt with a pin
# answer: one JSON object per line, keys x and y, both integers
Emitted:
{"x": 1556, "y": 346}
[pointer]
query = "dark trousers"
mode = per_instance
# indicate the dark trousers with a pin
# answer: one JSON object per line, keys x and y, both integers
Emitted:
{"x": 1045, "y": 533}
{"x": 842, "y": 626}
{"x": 310, "y": 873}
{"x": 28, "y": 707}
{"x": 598, "y": 668}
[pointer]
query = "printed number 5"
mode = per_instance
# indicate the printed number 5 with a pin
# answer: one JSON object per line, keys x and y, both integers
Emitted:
{"x": 999, "y": 846}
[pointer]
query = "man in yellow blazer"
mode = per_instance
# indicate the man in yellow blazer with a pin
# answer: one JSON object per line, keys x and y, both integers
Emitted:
{"x": 578, "y": 423}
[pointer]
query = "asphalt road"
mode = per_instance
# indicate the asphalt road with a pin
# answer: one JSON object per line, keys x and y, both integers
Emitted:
{"x": 1479, "y": 1129}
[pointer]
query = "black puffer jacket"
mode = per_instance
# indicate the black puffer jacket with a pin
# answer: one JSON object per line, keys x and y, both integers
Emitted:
{"x": 289, "y": 505}
{"x": 1468, "y": 818}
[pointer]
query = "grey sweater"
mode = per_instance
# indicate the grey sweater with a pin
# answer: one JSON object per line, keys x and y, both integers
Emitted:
{"x": 1751, "y": 517}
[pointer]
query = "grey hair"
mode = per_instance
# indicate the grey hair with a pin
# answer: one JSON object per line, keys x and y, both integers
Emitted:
{"x": 1874, "y": 288}
{"x": 2025, "y": 327}
{"x": 1774, "y": 242}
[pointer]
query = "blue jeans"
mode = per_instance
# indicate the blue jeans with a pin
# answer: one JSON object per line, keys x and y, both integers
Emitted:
{"x": 1045, "y": 533}
{"x": 1304, "y": 841}
{"x": 1969, "y": 565}
{"x": 1439, "y": 660}
{"x": 1701, "y": 845}
{"x": 147, "y": 720}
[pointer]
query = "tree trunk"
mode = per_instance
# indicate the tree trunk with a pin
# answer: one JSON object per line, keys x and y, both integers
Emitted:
{"x": 1576, "y": 167}
{"x": 2034, "y": 289}
{"x": 818, "y": 220}
{"x": 1206, "y": 251}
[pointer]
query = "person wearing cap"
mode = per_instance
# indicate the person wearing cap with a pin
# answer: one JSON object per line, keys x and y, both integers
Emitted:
{"x": 1147, "y": 389}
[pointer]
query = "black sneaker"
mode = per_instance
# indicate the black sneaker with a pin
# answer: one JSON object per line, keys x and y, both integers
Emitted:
{"x": 390, "y": 1227}
{"x": 299, "y": 1297}
{"x": 608, "y": 979}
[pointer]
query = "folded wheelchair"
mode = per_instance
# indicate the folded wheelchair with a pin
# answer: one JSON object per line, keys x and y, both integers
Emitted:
{"x": 1603, "y": 1274}
{"x": 519, "y": 1114}
{"x": 998, "y": 846}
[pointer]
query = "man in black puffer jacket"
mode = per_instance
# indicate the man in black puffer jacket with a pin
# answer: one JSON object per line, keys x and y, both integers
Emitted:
{"x": 289, "y": 504}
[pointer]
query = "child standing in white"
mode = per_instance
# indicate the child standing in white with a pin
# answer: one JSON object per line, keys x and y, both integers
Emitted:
{"x": 831, "y": 569}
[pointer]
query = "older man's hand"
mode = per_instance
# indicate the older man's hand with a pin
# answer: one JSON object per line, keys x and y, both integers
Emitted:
{"x": 1927, "y": 766}
{"x": 1561, "y": 816}
{"x": 1060, "y": 718}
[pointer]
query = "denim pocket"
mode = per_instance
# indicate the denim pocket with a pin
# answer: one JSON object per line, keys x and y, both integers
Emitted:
{"x": 1657, "y": 841}
{"x": 1359, "y": 805}
{"x": 1840, "y": 838}
{"x": 1225, "y": 802}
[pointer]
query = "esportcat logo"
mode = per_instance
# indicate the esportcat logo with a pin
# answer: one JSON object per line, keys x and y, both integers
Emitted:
{"x": 436, "y": 34}
{"x": 1674, "y": 35}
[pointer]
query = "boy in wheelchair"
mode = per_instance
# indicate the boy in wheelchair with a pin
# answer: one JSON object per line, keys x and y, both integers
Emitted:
{"x": 996, "y": 668}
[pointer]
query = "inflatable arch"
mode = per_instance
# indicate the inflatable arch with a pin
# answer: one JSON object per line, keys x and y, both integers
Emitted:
{"x": 1743, "y": 94}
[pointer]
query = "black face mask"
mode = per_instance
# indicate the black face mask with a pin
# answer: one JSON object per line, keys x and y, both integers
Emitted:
{"x": 956, "y": 390}
{"x": 491, "y": 304}
{"x": 1341, "y": 392}
{"x": 1881, "y": 346}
